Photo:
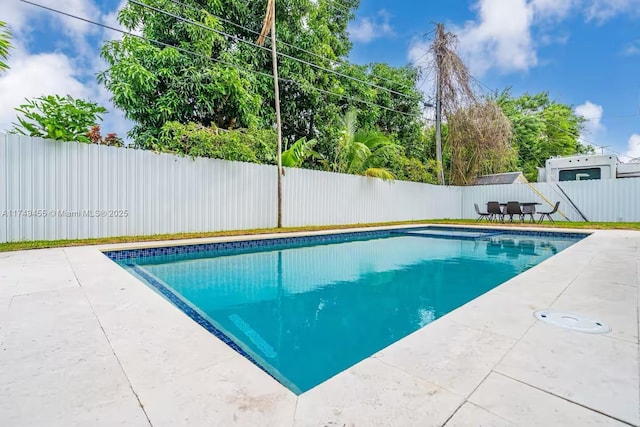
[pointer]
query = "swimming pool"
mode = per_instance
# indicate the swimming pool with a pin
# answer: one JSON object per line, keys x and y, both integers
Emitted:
{"x": 304, "y": 309}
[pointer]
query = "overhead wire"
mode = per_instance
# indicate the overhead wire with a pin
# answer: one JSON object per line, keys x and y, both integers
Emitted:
{"x": 561, "y": 129}
{"x": 537, "y": 159}
{"x": 337, "y": 5}
{"x": 280, "y": 42}
{"x": 285, "y": 55}
{"x": 186, "y": 51}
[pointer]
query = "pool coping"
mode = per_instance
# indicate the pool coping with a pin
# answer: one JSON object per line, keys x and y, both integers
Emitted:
{"x": 389, "y": 387}
{"x": 127, "y": 258}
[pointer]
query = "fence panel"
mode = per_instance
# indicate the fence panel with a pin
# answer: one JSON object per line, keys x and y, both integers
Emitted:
{"x": 64, "y": 190}
{"x": 321, "y": 198}
{"x": 615, "y": 200}
{"x": 4, "y": 176}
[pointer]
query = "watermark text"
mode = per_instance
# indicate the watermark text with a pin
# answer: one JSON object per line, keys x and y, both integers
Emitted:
{"x": 64, "y": 213}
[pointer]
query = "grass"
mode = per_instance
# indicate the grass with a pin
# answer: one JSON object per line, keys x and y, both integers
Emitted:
{"x": 41, "y": 244}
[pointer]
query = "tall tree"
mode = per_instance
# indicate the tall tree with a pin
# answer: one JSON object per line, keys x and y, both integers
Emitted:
{"x": 154, "y": 84}
{"x": 227, "y": 81}
{"x": 542, "y": 128}
{"x": 453, "y": 88}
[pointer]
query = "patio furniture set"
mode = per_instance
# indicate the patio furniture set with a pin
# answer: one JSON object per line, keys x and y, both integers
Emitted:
{"x": 497, "y": 211}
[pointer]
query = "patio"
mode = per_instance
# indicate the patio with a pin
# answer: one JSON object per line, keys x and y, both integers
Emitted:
{"x": 84, "y": 343}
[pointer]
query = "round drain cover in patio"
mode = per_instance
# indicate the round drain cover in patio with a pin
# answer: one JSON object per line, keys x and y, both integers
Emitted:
{"x": 572, "y": 321}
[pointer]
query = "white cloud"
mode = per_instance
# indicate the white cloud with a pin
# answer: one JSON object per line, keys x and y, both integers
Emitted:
{"x": 633, "y": 146}
{"x": 602, "y": 10}
{"x": 420, "y": 56}
{"x": 21, "y": 16}
{"x": 506, "y": 34}
{"x": 419, "y": 53}
{"x": 632, "y": 48}
{"x": 500, "y": 38}
{"x": 592, "y": 113}
{"x": 593, "y": 125}
{"x": 552, "y": 9}
{"x": 35, "y": 75}
{"x": 366, "y": 29}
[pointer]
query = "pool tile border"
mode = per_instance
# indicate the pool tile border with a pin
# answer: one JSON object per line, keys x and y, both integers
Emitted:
{"x": 125, "y": 258}
{"x": 222, "y": 248}
{"x": 194, "y": 315}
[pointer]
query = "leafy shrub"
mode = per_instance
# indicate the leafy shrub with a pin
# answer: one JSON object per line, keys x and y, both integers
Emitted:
{"x": 57, "y": 117}
{"x": 407, "y": 169}
{"x": 193, "y": 139}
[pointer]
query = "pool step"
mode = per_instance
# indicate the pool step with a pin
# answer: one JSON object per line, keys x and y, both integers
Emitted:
{"x": 448, "y": 234}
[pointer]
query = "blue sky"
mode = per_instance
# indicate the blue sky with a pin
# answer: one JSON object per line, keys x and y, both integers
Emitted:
{"x": 585, "y": 53}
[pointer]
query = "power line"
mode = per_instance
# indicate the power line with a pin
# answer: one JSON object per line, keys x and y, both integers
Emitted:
{"x": 293, "y": 58}
{"x": 215, "y": 60}
{"x": 334, "y": 5}
{"x": 559, "y": 128}
{"x": 338, "y": 61}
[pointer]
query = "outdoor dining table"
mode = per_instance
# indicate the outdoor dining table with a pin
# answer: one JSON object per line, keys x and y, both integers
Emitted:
{"x": 528, "y": 208}
{"x": 522, "y": 204}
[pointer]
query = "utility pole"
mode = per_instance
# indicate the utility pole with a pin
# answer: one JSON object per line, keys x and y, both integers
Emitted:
{"x": 439, "y": 36}
{"x": 270, "y": 23}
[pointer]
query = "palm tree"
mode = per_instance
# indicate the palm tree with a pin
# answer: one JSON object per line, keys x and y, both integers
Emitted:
{"x": 361, "y": 152}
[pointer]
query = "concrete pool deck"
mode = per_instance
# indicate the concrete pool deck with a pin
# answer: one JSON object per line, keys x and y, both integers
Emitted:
{"x": 82, "y": 342}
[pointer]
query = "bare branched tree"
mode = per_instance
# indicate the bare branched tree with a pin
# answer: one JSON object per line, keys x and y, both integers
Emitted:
{"x": 479, "y": 133}
{"x": 453, "y": 75}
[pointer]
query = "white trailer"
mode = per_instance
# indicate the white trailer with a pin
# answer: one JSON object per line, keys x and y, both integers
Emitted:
{"x": 585, "y": 167}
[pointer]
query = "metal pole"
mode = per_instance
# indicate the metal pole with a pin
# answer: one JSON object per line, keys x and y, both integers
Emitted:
{"x": 439, "y": 35}
{"x": 439, "y": 130}
{"x": 276, "y": 86}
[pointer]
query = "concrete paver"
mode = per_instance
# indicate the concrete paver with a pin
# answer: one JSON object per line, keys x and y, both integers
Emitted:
{"x": 86, "y": 343}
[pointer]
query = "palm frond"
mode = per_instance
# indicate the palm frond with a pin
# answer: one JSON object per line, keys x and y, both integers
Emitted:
{"x": 381, "y": 173}
{"x": 299, "y": 151}
{"x": 356, "y": 156}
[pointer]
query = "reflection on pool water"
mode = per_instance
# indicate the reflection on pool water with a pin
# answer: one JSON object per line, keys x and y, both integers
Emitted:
{"x": 307, "y": 313}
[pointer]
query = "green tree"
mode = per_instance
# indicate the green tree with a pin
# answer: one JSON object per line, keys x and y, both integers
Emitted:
{"x": 154, "y": 85}
{"x": 57, "y": 117}
{"x": 541, "y": 128}
{"x": 396, "y": 114}
{"x": 412, "y": 169}
{"x": 227, "y": 82}
{"x": 5, "y": 45}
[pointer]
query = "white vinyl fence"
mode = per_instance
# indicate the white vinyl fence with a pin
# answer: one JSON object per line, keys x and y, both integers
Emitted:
{"x": 616, "y": 200}
{"x": 53, "y": 190}
{"x": 64, "y": 190}
{"x": 321, "y": 198}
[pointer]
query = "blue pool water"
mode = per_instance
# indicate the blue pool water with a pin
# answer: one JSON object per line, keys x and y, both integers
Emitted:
{"x": 306, "y": 313}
